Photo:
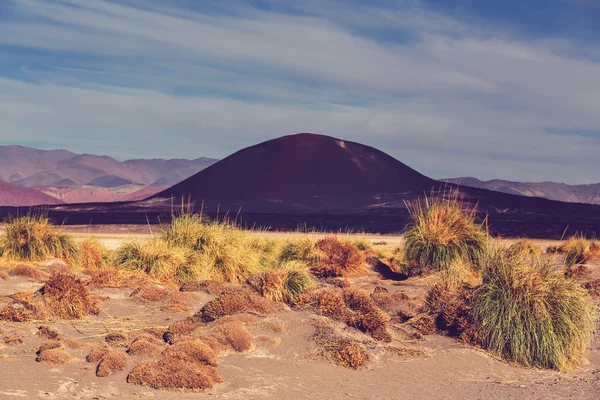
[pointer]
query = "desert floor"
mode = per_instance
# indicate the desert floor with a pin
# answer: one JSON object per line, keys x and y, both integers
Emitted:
{"x": 286, "y": 363}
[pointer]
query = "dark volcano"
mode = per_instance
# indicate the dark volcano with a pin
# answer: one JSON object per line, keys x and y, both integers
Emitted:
{"x": 304, "y": 171}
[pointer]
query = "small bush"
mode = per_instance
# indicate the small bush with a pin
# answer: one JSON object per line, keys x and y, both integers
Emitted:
{"x": 284, "y": 282}
{"x": 443, "y": 229}
{"x": 235, "y": 336}
{"x": 113, "y": 361}
{"x": 337, "y": 259}
{"x": 91, "y": 255}
{"x": 342, "y": 351}
{"x": 54, "y": 356}
{"x": 27, "y": 271}
{"x": 299, "y": 250}
{"x": 361, "y": 244}
{"x": 577, "y": 272}
{"x": 579, "y": 250}
{"x": 185, "y": 230}
{"x": 197, "y": 350}
{"x": 234, "y": 302}
{"x": 530, "y": 314}
{"x": 146, "y": 345}
{"x": 33, "y": 238}
{"x": 67, "y": 297}
{"x": 97, "y": 354}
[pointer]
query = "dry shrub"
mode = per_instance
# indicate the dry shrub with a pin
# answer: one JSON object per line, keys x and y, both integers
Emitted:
{"x": 54, "y": 356}
{"x": 4, "y": 276}
{"x": 97, "y": 353}
{"x": 235, "y": 336}
{"x": 449, "y": 303}
{"x": 192, "y": 350}
{"x": 424, "y": 323}
{"x": 25, "y": 306}
{"x": 396, "y": 304}
{"x": 342, "y": 351}
{"x": 443, "y": 229}
{"x": 235, "y": 301}
{"x": 579, "y": 250}
{"x": 284, "y": 282}
{"x": 150, "y": 293}
{"x": 180, "y": 329}
{"x": 48, "y": 345}
{"x": 337, "y": 259}
{"x": 112, "y": 362}
{"x": 48, "y": 332}
{"x": 526, "y": 247}
{"x": 115, "y": 339}
{"x": 145, "y": 345}
{"x": 351, "y": 306}
{"x": 530, "y": 314}
{"x": 67, "y": 297}
{"x": 33, "y": 238}
{"x": 91, "y": 254}
{"x": 593, "y": 287}
{"x": 173, "y": 374}
{"x": 577, "y": 272}
{"x": 27, "y": 271}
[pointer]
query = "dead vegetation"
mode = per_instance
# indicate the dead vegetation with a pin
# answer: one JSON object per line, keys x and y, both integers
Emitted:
{"x": 54, "y": 356}
{"x": 113, "y": 361}
{"x": 342, "y": 351}
{"x": 67, "y": 297}
{"x": 337, "y": 259}
{"x": 233, "y": 302}
{"x": 284, "y": 282}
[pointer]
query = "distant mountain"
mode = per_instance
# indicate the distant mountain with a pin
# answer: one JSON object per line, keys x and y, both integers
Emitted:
{"x": 550, "y": 190}
{"x": 25, "y": 166}
{"x": 13, "y": 195}
{"x": 97, "y": 194}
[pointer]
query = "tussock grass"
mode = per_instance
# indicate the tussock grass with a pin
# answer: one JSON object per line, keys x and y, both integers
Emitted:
{"x": 530, "y": 314}
{"x": 303, "y": 249}
{"x": 34, "y": 238}
{"x": 92, "y": 254}
{"x": 284, "y": 282}
{"x": 159, "y": 260}
{"x": 185, "y": 230}
{"x": 233, "y": 302}
{"x": 579, "y": 250}
{"x": 67, "y": 297}
{"x": 361, "y": 244}
{"x": 526, "y": 247}
{"x": 443, "y": 229}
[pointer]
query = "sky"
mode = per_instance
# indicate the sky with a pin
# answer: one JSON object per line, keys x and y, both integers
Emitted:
{"x": 492, "y": 89}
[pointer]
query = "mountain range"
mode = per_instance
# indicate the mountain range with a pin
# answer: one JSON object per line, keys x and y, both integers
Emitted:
{"x": 76, "y": 178}
{"x": 550, "y": 190}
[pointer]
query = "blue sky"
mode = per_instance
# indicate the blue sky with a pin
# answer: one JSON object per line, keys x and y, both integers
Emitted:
{"x": 492, "y": 89}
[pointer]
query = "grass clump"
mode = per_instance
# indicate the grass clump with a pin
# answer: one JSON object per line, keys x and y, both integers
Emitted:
{"x": 442, "y": 229}
{"x": 113, "y": 361}
{"x": 233, "y": 302}
{"x": 284, "y": 282}
{"x": 526, "y": 247}
{"x": 54, "y": 356}
{"x": 91, "y": 255}
{"x": 579, "y": 250}
{"x": 67, "y": 297}
{"x": 303, "y": 249}
{"x": 158, "y": 259}
{"x": 341, "y": 351}
{"x": 337, "y": 259}
{"x": 530, "y": 314}
{"x": 34, "y": 238}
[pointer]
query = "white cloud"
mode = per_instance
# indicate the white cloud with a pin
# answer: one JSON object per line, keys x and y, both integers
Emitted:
{"x": 454, "y": 98}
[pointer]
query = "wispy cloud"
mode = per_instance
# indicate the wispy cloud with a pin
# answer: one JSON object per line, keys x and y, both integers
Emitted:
{"x": 449, "y": 95}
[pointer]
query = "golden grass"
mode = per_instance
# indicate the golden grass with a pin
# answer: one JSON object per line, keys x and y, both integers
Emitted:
{"x": 526, "y": 247}
{"x": 34, "y": 238}
{"x": 579, "y": 250}
{"x": 91, "y": 255}
{"x": 528, "y": 313}
{"x": 442, "y": 228}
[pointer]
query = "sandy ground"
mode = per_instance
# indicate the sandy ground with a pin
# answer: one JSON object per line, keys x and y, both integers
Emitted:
{"x": 289, "y": 365}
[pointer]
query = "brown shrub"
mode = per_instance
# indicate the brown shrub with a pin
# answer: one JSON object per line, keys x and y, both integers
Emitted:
{"x": 106, "y": 277}
{"x": 150, "y": 293}
{"x": 49, "y": 345}
{"x": 56, "y": 356}
{"x": 67, "y": 297}
{"x": 177, "y": 303}
{"x": 181, "y": 328}
{"x": 27, "y": 271}
{"x": 192, "y": 350}
{"x": 112, "y": 362}
{"x": 424, "y": 323}
{"x": 4, "y": 276}
{"x": 97, "y": 354}
{"x": 577, "y": 272}
{"x": 232, "y": 302}
{"x": 342, "y": 351}
{"x": 337, "y": 259}
{"x": 90, "y": 254}
{"x": 115, "y": 339}
{"x": 25, "y": 307}
{"x": 593, "y": 287}
{"x": 449, "y": 303}
{"x": 171, "y": 373}
{"x": 351, "y": 306}
{"x": 146, "y": 345}
{"x": 48, "y": 332}
{"x": 236, "y": 336}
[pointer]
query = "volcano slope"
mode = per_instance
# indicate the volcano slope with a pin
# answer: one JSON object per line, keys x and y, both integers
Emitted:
{"x": 303, "y": 172}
